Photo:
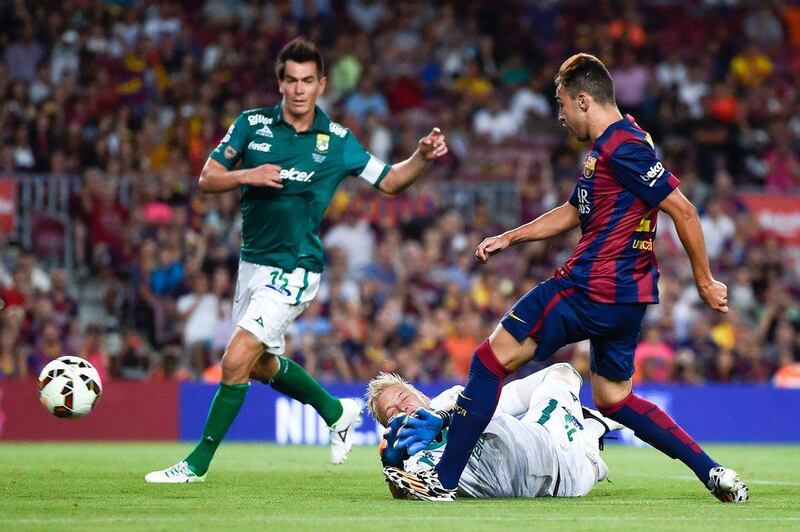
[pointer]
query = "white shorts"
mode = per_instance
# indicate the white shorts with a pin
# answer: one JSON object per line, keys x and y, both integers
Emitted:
{"x": 268, "y": 299}
{"x": 558, "y": 409}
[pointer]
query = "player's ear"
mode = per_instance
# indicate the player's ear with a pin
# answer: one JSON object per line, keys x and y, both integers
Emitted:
{"x": 583, "y": 101}
{"x": 323, "y": 82}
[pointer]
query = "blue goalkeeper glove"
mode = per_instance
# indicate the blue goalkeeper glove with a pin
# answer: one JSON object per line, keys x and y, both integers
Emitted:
{"x": 421, "y": 429}
{"x": 391, "y": 453}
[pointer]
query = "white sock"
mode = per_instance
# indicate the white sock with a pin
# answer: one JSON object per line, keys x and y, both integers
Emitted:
{"x": 515, "y": 398}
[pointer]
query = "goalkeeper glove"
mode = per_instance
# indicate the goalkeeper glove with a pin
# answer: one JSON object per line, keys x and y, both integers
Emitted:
{"x": 421, "y": 429}
{"x": 391, "y": 453}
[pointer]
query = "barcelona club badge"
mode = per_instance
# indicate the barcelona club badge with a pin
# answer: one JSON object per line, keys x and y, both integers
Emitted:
{"x": 589, "y": 164}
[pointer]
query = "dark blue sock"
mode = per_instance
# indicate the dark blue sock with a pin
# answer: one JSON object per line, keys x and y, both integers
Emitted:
{"x": 654, "y": 426}
{"x": 474, "y": 409}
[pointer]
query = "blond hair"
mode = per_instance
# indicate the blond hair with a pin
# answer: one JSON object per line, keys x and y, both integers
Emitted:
{"x": 379, "y": 384}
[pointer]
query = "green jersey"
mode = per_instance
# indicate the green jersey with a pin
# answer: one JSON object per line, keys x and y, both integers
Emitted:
{"x": 280, "y": 227}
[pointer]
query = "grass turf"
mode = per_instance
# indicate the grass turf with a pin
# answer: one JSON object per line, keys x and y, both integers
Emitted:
{"x": 99, "y": 486}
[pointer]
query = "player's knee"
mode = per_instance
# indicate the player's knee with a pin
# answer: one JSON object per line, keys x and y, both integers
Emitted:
{"x": 567, "y": 374}
{"x": 265, "y": 368}
{"x": 238, "y": 361}
{"x": 607, "y": 392}
{"x": 235, "y": 368}
{"x": 508, "y": 350}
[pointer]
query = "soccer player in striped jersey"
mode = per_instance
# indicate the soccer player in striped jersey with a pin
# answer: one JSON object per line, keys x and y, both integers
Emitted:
{"x": 602, "y": 291}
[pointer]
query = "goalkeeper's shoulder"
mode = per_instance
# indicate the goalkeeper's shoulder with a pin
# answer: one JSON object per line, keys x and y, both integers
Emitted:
{"x": 447, "y": 399}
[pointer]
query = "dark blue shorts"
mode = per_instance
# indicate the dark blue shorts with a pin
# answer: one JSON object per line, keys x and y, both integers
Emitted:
{"x": 555, "y": 313}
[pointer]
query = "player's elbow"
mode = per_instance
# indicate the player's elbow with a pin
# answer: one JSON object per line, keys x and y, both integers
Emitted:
{"x": 687, "y": 211}
{"x": 204, "y": 182}
{"x": 679, "y": 208}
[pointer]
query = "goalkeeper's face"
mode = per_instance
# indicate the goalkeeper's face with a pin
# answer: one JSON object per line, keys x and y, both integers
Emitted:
{"x": 396, "y": 399}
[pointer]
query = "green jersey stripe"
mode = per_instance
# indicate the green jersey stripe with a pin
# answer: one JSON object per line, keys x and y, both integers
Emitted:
{"x": 303, "y": 288}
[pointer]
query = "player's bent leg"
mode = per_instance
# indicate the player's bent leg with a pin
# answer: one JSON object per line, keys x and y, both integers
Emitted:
{"x": 491, "y": 363}
{"x": 341, "y": 415}
{"x": 240, "y": 355}
{"x": 656, "y": 427}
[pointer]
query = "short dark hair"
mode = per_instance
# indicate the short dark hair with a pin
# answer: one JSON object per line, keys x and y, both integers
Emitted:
{"x": 586, "y": 73}
{"x": 299, "y": 50}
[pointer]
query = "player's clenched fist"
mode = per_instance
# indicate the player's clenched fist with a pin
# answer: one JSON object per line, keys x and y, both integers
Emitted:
{"x": 266, "y": 175}
{"x": 715, "y": 295}
{"x": 490, "y": 246}
{"x": 433, "y": 145}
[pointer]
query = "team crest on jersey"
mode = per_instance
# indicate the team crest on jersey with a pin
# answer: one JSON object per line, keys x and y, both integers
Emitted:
{"x": 229, "y": 153}
{"x": 323, "y": 143}
{"x": 589, "y": 165}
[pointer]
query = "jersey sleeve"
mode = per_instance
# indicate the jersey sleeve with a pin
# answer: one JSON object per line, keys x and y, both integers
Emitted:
{"x": 573, "y": 198}
{"x": 232, "y": 146}
{"x": 359, "y": 162}
{"x": 636, "y": 167}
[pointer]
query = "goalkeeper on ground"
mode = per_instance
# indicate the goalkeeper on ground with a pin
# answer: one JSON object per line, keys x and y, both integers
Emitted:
{"x": 540, "y": 443}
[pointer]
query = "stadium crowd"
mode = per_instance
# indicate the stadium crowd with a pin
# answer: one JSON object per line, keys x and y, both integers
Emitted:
{"x": 130, "y": 96}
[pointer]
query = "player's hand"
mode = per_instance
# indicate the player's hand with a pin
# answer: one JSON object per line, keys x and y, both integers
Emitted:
{"x": 715, "y": 295}
{"x": 266, "y": 175}
{"x": 433, "y": 145}
{"x": 391, "y": 453}
{"x": 491, "y": 246}
{"x": 419, "y": 431}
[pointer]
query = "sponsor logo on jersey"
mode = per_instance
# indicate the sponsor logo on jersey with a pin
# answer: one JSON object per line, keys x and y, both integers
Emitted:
{"x": 258, "y": 118}
{"x": 230, "y": 153}
{"x": 644, "y": 225}
{"x": 323, "y": 143}
{"x": 584, "y": 205}
{"x": 259, "y": 146}
{"x": 589, "y": 165}
{"x": 292, "y": 174}
{"x": 318, "y": 158}
{"x": 653, "y": 173}
{"x": 644, "y": 245}
{"x": 265, "y": 131}
{"x": 337, "y": 129}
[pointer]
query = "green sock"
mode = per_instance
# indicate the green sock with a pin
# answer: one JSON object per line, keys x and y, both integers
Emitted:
{"x": 292, "y": 380}
{"x": 224, "y": 409}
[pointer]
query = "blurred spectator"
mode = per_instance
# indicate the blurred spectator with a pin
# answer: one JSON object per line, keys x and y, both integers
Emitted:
{"x": 654, "y": 359}
{"x": 125, "y": 102}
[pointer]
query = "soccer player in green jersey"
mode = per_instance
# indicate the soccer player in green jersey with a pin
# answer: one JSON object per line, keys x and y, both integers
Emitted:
{"x": 290, "y": 160}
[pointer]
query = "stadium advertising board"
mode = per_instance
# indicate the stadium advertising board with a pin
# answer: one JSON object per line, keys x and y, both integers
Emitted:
{"x": 762, "y": 414}
{"x": 125, "y": 411}
{"x": 777, "y": 214}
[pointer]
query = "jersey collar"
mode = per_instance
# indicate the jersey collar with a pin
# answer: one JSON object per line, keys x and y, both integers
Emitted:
{"x": 321, "y": 121}
{"x": 622, "y": 122}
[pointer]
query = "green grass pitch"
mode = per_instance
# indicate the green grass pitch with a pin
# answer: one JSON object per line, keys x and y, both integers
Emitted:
{"x": 99, "y": 486}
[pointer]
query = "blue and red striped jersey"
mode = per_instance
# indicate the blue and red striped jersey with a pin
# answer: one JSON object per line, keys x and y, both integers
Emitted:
{"x": 617, "y": 198}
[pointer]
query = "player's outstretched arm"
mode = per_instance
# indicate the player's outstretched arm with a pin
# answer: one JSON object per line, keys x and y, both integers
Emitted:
{"x": 552, "y": 223}
{"x": 687, "y": 223}
{"x": 215, "y": 178}
{"x": 403, "y": 174}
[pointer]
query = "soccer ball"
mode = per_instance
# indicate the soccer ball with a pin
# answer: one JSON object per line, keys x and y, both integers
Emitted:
{"x": 69, "y": 387}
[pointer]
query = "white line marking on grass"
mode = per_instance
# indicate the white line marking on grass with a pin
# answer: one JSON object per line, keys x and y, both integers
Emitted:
{"x": 758, "y": 482}
{"x": 379, "y": 519}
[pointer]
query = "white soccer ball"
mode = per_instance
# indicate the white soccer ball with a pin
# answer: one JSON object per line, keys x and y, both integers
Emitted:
{"x": 69, "y": 387}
